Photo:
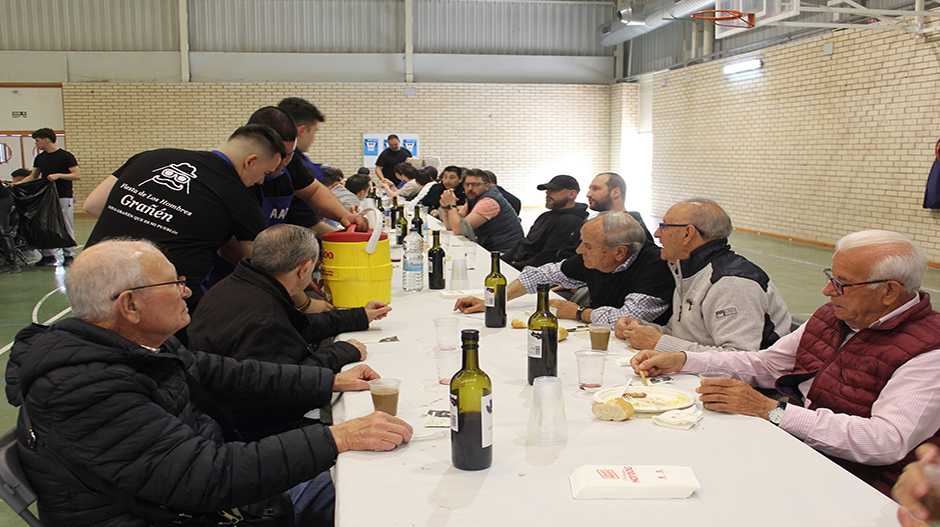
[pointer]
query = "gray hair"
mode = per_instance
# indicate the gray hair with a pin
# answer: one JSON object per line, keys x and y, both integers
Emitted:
{"x": 281, "y": 248}
{"x": 899, "y": 257}
{"x": 621, "y": 229}
{"x": 709, "y": 218}
{"x": 102, "y": 271}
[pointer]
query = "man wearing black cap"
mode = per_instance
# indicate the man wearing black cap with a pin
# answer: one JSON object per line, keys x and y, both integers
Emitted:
{"x": 554, "y": 235}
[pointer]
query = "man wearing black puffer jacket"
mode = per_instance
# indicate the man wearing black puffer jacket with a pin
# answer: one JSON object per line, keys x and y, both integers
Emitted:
{"x": 107, "y": 390}
{"x": 555, "y": 235}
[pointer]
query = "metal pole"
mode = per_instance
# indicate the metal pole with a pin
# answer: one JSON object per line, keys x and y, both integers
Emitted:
{"x": 409, "y": 42}
{"x": 184, "y": 40}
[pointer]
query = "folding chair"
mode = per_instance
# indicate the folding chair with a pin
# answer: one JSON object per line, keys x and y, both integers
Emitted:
{"x": 13, "y": 486}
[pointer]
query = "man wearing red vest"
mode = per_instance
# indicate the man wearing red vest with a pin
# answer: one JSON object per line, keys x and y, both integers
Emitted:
{"x": 859, "y": 379}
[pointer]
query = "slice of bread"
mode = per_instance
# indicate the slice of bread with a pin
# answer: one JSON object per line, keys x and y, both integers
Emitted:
{"x": 616, "y": 409}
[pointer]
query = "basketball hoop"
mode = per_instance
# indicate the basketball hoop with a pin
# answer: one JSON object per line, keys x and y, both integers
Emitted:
{"x": 718, "y": 16}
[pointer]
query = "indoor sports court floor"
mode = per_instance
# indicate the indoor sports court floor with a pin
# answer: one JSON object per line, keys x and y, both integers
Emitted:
{"x": 37, "y": 293}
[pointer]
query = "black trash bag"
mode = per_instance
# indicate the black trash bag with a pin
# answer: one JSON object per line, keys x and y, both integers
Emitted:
{"x": 40, "y": 215}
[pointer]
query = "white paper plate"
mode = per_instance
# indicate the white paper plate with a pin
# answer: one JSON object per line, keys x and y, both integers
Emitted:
{"x": 663, "y": 399}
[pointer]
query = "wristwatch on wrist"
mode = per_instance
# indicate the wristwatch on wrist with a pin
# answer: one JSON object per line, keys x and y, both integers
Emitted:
{"x": 448, "y": 207}
{"x": 578, "y": 315}
{"x": 776, "y": 415}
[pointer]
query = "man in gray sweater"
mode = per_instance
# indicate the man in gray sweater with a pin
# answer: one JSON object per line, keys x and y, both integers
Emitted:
{"x": 722, "y": 301}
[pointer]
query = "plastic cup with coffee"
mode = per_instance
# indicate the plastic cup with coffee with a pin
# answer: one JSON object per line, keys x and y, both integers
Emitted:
{"x": 385, "y": 395}
{"x": 600, "y": 336}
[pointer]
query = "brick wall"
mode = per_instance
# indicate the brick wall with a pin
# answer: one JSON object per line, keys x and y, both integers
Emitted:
{"x": 523, "y": 133}
{"x": 812, "y": 147}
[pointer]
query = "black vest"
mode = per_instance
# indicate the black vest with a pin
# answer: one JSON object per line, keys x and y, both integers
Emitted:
{"x": 504, "y": 231}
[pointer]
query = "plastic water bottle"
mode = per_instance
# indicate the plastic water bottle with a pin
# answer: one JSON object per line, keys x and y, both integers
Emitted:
{"x": 412, "y": 262}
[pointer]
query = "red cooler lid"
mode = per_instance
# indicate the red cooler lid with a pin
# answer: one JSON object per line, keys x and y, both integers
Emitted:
{"x": 350, "y": 235}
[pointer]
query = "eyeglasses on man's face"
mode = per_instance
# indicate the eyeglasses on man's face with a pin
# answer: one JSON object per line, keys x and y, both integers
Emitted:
{"x": 664, "y": 225}
{"x": 180, "y": 283}
{"x": 840, "y": 286}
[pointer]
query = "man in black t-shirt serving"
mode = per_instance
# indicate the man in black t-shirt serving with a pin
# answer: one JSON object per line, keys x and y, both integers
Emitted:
{"x": 60, "y": 166}
{"x": 617, "y": 264}
{"x": 191, "y": 203}
{"x": 391, "y": 156}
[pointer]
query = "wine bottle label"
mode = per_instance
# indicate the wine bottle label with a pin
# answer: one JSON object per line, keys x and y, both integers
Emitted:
{"x": 430, "y": 265}
{"x": 535, "y": 343}
{"x": 453, "y": 412}
{"x": 486, "y": 419}
{"x": 489, "y": 296}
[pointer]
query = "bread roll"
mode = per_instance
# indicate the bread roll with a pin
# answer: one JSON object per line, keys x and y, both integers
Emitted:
{"x": 616, "y": 409}
{"x": 516, "y": 323}
{"x": 562, "y": 334}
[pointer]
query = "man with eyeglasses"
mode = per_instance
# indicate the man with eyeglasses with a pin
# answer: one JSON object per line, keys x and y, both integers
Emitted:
{"x": 858, "y": 381}
{"x": 130, "y": 409}
{"x": 721, "y": 301}
{"x": 487, "y": 218}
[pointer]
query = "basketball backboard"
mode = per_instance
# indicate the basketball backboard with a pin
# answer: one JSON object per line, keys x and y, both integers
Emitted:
{"x": 765, "y": 12}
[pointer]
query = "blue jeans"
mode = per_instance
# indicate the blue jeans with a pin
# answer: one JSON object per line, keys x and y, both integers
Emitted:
{"x": 314, "y": 502}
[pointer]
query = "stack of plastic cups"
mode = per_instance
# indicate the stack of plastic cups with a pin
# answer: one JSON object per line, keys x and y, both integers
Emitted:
{"x": 547, "y": 423}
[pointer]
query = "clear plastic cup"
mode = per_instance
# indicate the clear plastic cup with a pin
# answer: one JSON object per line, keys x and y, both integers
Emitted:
{"x": 385, "y": 395}
{"x": 547, "y": 423}
{"x": 447, "y": 359}
{"x": 600, "y": 336}
{"x": 445, "y": 329}
{"x": 459, "y": 279}
{"x": 590, "y": 369}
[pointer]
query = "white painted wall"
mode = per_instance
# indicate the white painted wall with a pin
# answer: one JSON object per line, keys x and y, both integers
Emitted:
{"x": 43, "y": 107}
{"x": 43, "y": 66}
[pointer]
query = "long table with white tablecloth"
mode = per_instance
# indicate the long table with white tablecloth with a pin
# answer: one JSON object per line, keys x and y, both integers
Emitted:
{"x": 751, "y": 472}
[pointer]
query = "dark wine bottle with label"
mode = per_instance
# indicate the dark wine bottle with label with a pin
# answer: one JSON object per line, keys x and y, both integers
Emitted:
{"x": 402, "y": 225}
{"x": 471, "y": 410}
{"x": 436, "y": 263}
{"x": 494, "y": 295}
{"x": 543, "y": 338}
{"x": 417, "y": 222}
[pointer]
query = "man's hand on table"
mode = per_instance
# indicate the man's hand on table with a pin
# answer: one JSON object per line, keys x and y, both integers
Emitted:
{"x": 469, "y": 304}
{"x": 636, "y": 334}
{"x": 363, "y": 353}
{"x": 913, "y": 487}
{"x": 354, "y": 379}
{"x": 654, "y": 363}
{"x": 734, "y": 397}
{"x": 376, "y": 310}
{"x": 566, "y": 309}
{"x": 376, "y": 431}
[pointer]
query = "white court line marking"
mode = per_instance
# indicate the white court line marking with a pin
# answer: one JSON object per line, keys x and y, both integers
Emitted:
{"x": 35, "y": 314}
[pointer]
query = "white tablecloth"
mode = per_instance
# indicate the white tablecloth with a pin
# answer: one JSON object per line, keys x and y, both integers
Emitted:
{"x": 751, "y": 472}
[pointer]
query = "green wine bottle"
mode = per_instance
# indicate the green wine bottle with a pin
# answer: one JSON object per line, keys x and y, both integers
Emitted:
{"x": 543, "y": 338}
{"x": 471, "y": 410}
{"x": 494, "y": 295}
{"x": 402, "y": 225}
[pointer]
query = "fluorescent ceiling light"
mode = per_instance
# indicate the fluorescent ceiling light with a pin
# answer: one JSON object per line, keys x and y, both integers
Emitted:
{"x": 744, "y": 65}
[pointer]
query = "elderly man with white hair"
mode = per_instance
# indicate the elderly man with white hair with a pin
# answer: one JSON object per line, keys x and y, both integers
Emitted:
{"x": 859, "y": 380}
{"x": 112, "y": 399}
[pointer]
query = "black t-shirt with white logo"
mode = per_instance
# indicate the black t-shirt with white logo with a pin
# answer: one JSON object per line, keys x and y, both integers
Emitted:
{"x": 388, "y": 159}
{"x": 58, "y": 162}
{"x": 190, "y": 203}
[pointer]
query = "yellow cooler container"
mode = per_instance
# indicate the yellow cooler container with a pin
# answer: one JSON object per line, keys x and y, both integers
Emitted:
{"x": 351, "y": 275}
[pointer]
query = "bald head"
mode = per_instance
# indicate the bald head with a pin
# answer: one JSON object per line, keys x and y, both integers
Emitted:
{"x": 711, "y": 221}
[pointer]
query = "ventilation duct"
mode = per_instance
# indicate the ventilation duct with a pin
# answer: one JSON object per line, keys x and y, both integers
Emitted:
{"x": 636, "y": 20}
